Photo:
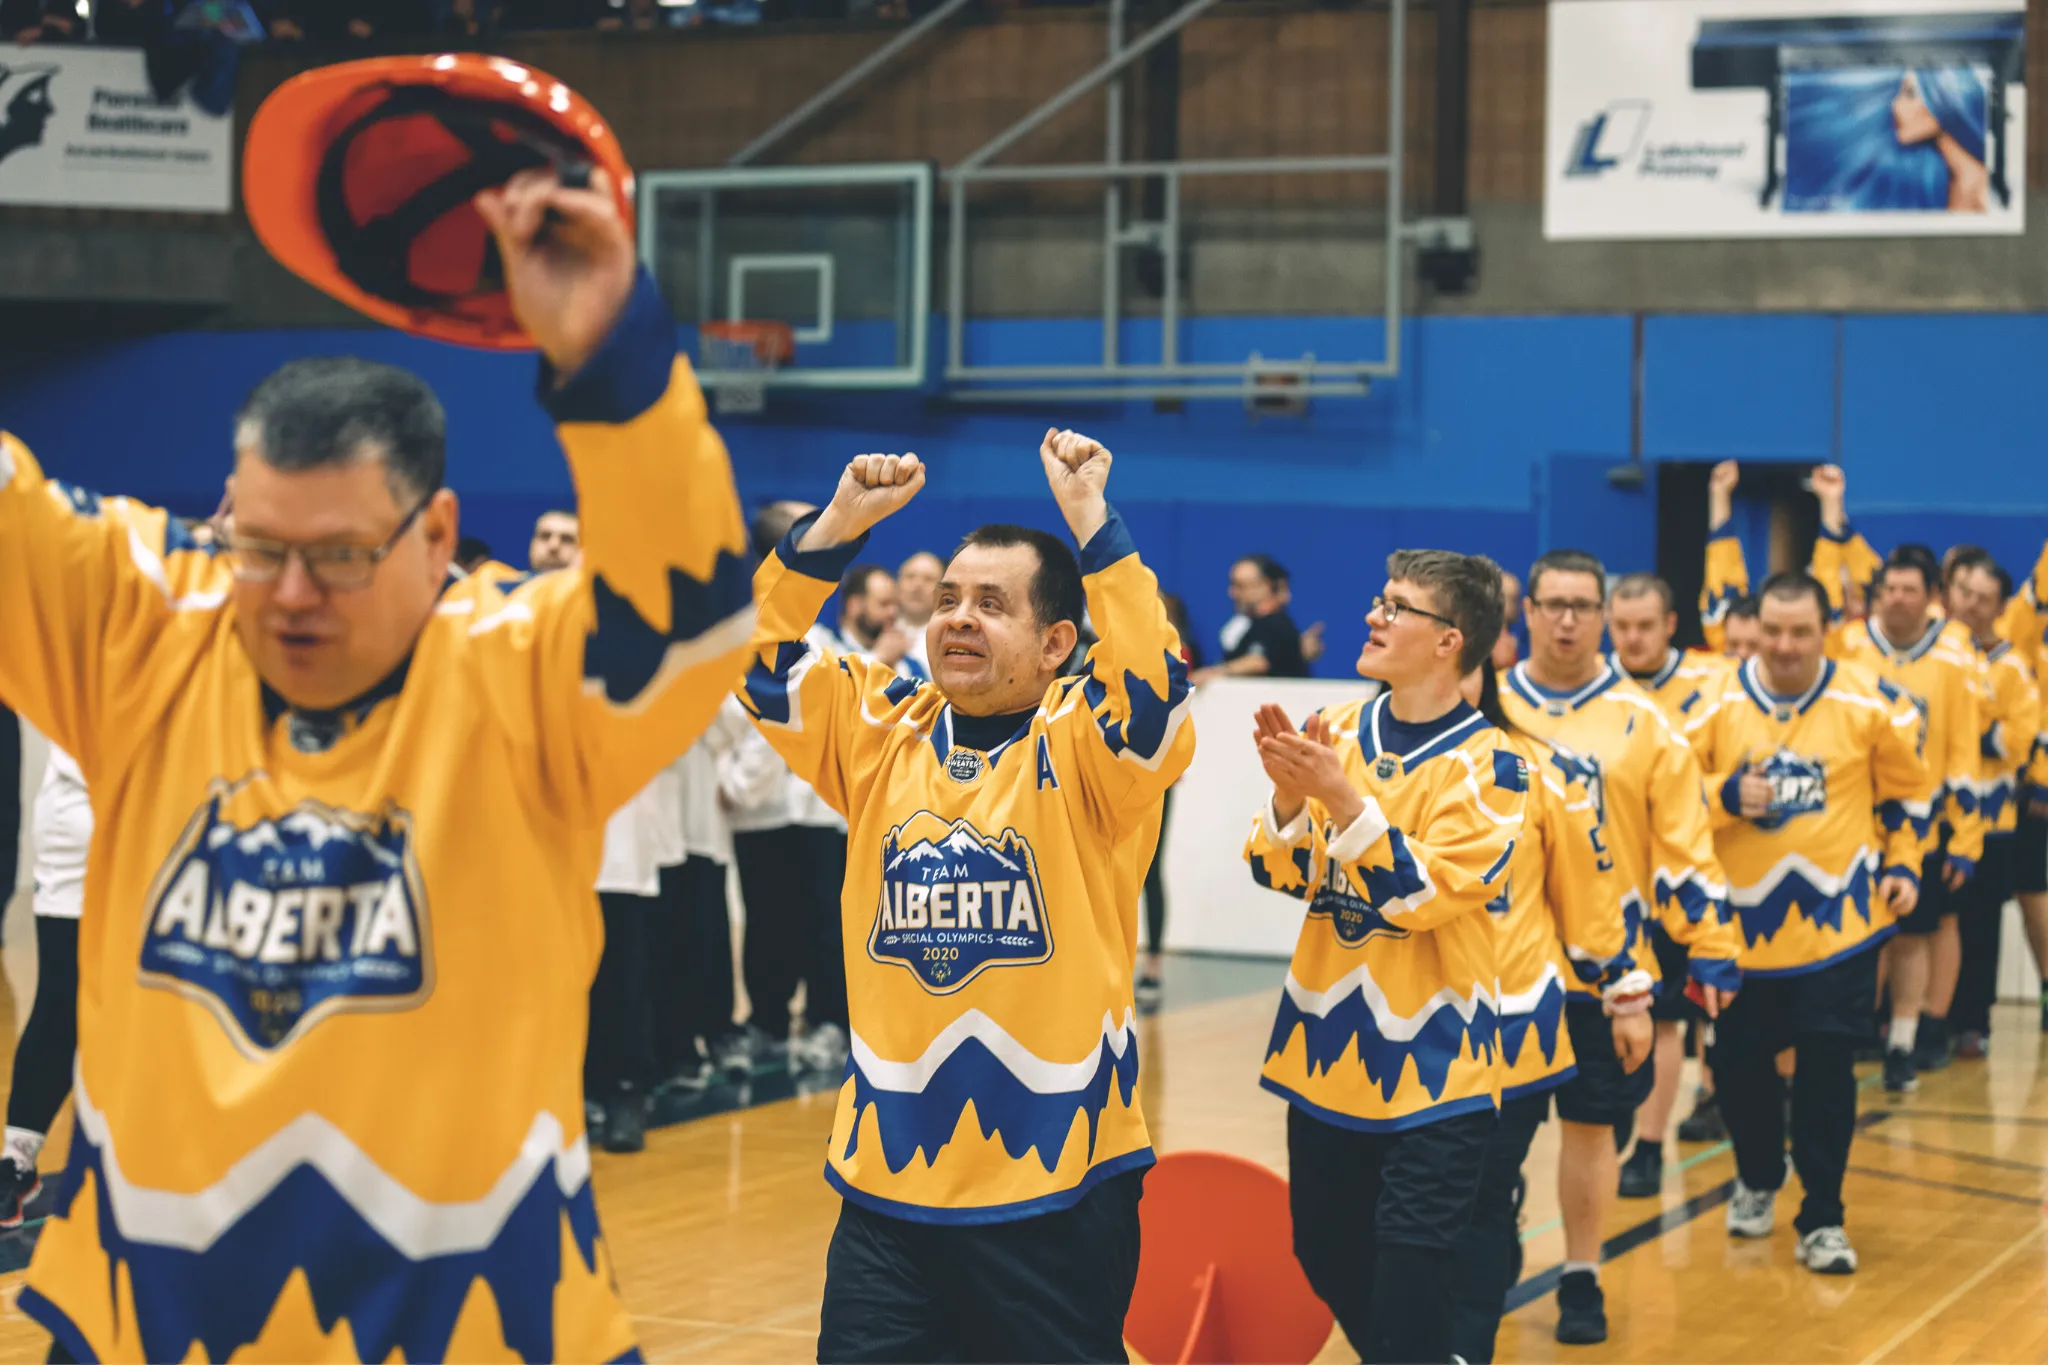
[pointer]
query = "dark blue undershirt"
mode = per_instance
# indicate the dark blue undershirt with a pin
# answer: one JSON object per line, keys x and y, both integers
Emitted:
{"x": 987, "y": 732}
{"x": 1404, "y": 737}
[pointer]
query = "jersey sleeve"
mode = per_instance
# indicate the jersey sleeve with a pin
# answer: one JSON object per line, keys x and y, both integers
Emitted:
{"x": 1134, "y": 684}
{"x": 1840, "y": 561}
{"x": 1727, "y": 580}
{"x": 88, "y": 586}
{"x": 632, "y": 651}
{"x": 829, "y": 714}
{"x": 1580, "y": 884}
{"x": 1961, "y": 761}
{"x": 1691, "y": 889}
{"x": 1904, "y": 785}
{"x": 2009, "y": 737}
{"x": 1719, "y": 770}
{"x": 2019, "y": 625}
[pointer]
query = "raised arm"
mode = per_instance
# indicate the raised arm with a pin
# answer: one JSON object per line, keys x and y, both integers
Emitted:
{"x": 1135, "y": 683}
{"x": 823, "y": 710}
{"x": 1727, "y": 577}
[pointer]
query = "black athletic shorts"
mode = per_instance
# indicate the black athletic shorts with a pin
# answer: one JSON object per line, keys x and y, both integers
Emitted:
{"x": 1671, "y": 1004}
{"x": 2030, "y": 856}
{"x": 1774, "y": 1012}
{"x": 1601, "y": 1092}
{"x": 1936, "y": 901}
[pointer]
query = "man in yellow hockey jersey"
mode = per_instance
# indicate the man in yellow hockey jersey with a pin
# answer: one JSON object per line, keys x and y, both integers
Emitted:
{"x": 1976, "y": 596}
{"x": 1558, "y": 919}
{"x": 1646, "y": 788}
{"x": 988, "y": 1141}
{"x": 339, "y": 929}
{"x": 1395, "y": 820}
{"x": 1820, "y": 803}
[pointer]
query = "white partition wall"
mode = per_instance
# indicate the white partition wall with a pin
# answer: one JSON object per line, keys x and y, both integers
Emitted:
{"x": 1212, "y": 904}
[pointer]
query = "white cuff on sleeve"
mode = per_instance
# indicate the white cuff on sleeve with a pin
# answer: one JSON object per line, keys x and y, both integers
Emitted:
{"x": 1630, "y": 995}
{"x": 1361, "y": 834}
{"x": 1293, "y": 832}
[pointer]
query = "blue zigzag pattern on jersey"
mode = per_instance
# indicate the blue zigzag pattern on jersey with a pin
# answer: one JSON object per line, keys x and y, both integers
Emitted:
{"x": 222, "y": 1296}
{"x": 1303, "y": 864}
{"x": 923, "y": 1121}
{"x": 1545, "y": 1021}
{"x": 1433, "y": 1048}
{"x": 769, "y": 695}
{"x": 1143, "y": 731}
{"x": 1895, "y": 817}
{"x": 625, "y": 652}
{"x": 1794, "y": 894}
{"x": 1692, "y": 898}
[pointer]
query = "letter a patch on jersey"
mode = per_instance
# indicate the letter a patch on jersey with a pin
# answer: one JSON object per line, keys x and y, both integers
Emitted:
{"x": 1048, "y": 780}
{"x": 275, "y": 922}
{"x": 955, "y": 902}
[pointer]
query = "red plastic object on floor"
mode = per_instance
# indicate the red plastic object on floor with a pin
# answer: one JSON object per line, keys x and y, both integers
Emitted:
{"x": 1217, "y": 1280}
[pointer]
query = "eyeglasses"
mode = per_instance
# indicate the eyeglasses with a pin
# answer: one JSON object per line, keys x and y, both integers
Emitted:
{"x": 331, "y": 566}
{"x": 1394, "y": 611}
{"x": 1557, "y": 608}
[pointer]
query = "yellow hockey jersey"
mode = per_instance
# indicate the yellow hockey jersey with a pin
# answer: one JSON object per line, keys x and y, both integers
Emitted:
{"x": 1681, "y": 682}
{"x": 1852, "y": 802}
{"x": 334, "y": 968}
{"x": 1726, "y": 581}
{"x": 990, "y": 906}
{"x": 1558, "y": 919}
{"x": 2011, "y": 717}
{"x": 1389, "y": 1016}
{"x": 1843, "y": 561}
{"x": 1939, "y": 673}
{"x": 1648, "y": 799}
{"x": 1838, "y": 562}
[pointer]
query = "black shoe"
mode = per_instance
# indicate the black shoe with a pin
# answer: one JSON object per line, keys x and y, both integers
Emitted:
{"x": 1931, "y": 1048}
{"x": 1899, "y": 1075}
{"x": 1706, "y": 1124}
{"x": 1581, "y": 1310}
{"x": 625, "y": 1128}
{"x": 17, "y": 1187}
{"x": 1642, "y": 1175}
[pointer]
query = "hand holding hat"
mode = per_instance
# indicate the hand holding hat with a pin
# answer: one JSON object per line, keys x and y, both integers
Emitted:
{"x": 568, "y": 260}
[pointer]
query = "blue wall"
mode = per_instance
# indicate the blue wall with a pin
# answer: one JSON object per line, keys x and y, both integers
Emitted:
{"x": 1938, "y": 419}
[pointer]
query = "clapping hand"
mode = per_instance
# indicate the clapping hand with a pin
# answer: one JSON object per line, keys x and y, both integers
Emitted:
{"x": 1304, "y": 765}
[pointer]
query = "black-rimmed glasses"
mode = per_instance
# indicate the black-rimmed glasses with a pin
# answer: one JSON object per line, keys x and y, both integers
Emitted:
{"x": 253, "y": 560}
{"x": 1394, "y": 611}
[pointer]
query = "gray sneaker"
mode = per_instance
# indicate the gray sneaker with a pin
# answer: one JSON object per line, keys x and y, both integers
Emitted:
{"x": 1826, "y": 1251}
{"x": 1751, "y": 1213}
{"x": 822, "y": 1049}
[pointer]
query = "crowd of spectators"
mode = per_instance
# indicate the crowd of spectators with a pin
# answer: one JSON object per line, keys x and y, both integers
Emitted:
{"x": 141, "y": 23}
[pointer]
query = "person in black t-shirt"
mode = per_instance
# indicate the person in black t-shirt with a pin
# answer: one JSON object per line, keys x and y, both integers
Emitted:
{"x": 1261, "y": 640}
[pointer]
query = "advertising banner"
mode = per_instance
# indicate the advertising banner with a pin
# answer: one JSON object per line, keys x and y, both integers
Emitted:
{"x": 81, "y": 128}
{"x": 1785, "y": 118}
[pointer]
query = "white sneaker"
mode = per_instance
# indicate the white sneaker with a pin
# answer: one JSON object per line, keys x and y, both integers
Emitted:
{"x": 1752, "y": 1212}
{"x": 823, "y": 1048}
{"x": 1826, "y": 1251}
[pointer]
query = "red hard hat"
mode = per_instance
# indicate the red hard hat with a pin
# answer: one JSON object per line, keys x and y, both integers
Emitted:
{"x": 358, "y": 179}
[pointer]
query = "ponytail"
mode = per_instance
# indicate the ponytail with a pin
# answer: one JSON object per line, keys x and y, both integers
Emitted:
{"x": 1489, "y": 701}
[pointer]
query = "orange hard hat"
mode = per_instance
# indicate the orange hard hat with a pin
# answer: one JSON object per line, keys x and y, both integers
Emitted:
{"x": 358, "y": 179}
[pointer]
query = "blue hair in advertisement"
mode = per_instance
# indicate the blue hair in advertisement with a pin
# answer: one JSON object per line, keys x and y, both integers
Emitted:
{"x": 1864, "y": 139}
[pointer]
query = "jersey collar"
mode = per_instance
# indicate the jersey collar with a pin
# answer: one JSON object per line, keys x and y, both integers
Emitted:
{"x": 1541, "y": 697}
{"x": 1911, "y": 653}
{"x": 1672, "y": 659}
{"x": 943, "y": 727}
{"x": 1773, "y": 705}
{"x": 1441, "y": 735}
{"x": 1998, "y": 650}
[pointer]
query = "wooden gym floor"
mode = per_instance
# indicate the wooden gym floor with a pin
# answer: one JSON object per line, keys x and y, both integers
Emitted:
{"x": 718, "y": 1230}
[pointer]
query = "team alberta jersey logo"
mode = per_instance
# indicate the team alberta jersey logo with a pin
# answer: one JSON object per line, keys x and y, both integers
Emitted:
{"x": 277, "y": 923}
{"x": 1799, "y": 786}
{"x": 955, "y": 902}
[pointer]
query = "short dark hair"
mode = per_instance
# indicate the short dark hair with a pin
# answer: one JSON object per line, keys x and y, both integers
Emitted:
{"x": 854, "y": 582}
{"x": 1056, "y": 592}
{"x": 469, "y": 550}
{"x": 557, "y": 512}
{"x": 1742, "y": 609}
{"x": 1269, "y": 568}
{"x": 331, "y": 409}
{"x": 1916, "y": 558}
{"x": 1565, "y": 561}
{"x": 1968, "y": 557}
{"x": 1466, "y": 587}
{"x": 1645, "y": 585}
{"x": 1795, "y": 583}
{"x": 772, "y": 523}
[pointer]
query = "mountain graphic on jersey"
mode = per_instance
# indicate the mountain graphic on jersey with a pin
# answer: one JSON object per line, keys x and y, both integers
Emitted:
{"x": 274, "y": 923}
{"x": 1385, "y": 1048}
{"x": 1033, "y": 1113}
{"x": 955, "y": 902}
{"x": 1543, "y": 1020}
{"x": 1799, "y": 786}
{"x": 1796, "y": 886}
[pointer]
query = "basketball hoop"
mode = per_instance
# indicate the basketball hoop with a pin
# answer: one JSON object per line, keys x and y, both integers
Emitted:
{"x": 743, "y": 354}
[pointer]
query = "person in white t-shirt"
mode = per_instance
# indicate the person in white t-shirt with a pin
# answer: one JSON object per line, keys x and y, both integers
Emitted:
{"x": 43, "y": 1058}
{"x": 917, "y": 589}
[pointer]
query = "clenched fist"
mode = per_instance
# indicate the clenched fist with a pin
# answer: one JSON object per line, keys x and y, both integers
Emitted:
{"x": 1077, "y": 468}
{"x": 871, "y": 488}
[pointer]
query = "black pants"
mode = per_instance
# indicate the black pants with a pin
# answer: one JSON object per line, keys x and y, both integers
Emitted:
{"x": 1155, "y": 881}
{"x": 1820, "y": 1015}
{"x": 1978, "y": 922}
{"x": 620, "y": 1053}
{"x": 689, "y": 950}
{"x": 790, "y": 879}
{"x": 1051, "y": 1288}
{"x": 49, "y": 1043}
{"x": 1376, "y": 1218}
{"x": 1483, "y": 1261}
